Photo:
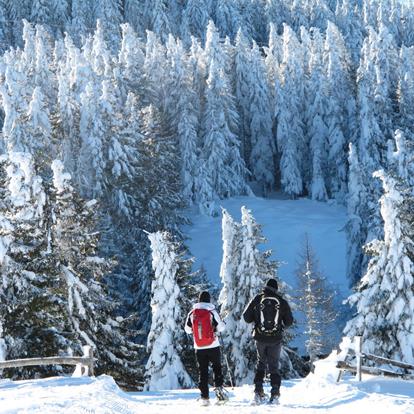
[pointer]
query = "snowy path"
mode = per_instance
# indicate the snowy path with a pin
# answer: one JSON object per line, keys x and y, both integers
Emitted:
{"x": 101, "y": 396}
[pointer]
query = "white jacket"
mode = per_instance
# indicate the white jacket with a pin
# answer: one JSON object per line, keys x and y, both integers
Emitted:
{"x": 216, "y": 317}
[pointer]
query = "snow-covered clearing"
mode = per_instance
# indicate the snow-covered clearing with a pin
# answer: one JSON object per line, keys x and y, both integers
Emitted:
{"x": 102, "y": 396}
{"x": 285, "y": 223}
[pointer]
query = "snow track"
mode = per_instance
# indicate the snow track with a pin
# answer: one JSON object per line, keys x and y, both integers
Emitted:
{"x": 101, "y": 396}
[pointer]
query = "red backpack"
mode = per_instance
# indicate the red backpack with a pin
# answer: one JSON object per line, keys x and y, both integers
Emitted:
{"x": 202, "y": 327}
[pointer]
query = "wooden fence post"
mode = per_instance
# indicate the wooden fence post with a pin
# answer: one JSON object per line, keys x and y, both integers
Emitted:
{"x": 358, "y": 353}
{"x": 88, "y": 353}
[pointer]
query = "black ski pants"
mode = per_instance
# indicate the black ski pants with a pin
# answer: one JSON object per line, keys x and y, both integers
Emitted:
{"x": 204, "y": 357}
{"x": 268, "y": 356}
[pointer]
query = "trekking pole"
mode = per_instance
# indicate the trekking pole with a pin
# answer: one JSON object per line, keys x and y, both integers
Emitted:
{"x": 227, "y": 362}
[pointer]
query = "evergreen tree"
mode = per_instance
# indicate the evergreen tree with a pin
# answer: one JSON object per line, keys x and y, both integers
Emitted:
{"x": 220, "y": 155}
{"x": 183, "y": 116}
{"x": 230, "y": 307}
{"x": 261, "y": 162}
{"x": 164, "y": 368}
{"x": 317, "y": 130}
{"x": 82, "y": 18}
{"x": 356, "y": 228}
{"x": 195, "y": 19}
{"x": 242, "y": 94}
{"x": 290, "y": 136}
{"x": 109, "y": 13}
{"x": 31, "y": 294}
{"x": 384, "y": 297}
{"x": 134, "y": 15}
{"x": 73, "y": 242}
{"x": 227, "y": 17}
{"x": 315, "y": 302}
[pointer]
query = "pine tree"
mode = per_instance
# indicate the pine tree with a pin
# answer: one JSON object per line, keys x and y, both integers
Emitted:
{"x": 261, "y": 162}
{"x": 384, "y": 297}
{"x": 227, "y": 17}
{"x": 356, "y": 226}
{"x": 73, "y": 242}
{"x": 290, "y": 136}
{"x": 109, "y": 13}
{"x": 164, "y": 369}
{"x": 195, "y": 19}
{"x": 82, "y": 21}
{"x": 157, "y": 18}
{"x": 317, "y": 130}
{"x": 230, "y": 307}
{"x": 31, "y": 295}
{"x": 315, "y": 302}
{"x": 242, "y": 85}
{"x": 182, "y": 112}
{"x": 220, "y": 147}
{"x": 134, "y": 15}
{"x": 131, "y": 61}
{"x": 92, "y": 134}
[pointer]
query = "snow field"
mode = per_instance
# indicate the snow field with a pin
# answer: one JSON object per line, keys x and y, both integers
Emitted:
{"x": 313, "y": 395}
{"x": 284, "y": 224}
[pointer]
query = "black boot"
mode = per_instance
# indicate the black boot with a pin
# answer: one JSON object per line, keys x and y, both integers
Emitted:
{"x": 274, "y": 395}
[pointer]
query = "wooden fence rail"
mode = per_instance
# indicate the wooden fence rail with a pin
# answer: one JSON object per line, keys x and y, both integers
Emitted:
{"x": 86, "y": 362}
{"x": 359, "y": 369}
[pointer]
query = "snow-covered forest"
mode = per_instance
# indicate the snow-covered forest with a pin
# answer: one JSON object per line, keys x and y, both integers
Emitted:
{"x": 118, "y": 114}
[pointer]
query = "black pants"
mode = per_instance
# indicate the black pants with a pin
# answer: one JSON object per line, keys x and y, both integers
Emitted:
{"x": 268, "y": 356}
{"x": 204, "y": 357}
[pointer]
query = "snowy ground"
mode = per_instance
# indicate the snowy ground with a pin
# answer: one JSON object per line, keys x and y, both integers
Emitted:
{"x": 102, "y": 396}
{"x": 284, "y": 224}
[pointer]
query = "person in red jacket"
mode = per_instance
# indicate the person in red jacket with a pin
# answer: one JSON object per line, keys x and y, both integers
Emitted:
{"x": 270, "y": 314}
{"x": 203, "y": 322}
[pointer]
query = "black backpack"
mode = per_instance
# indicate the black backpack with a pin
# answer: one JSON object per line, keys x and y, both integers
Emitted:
{"x": 269, "y": 316}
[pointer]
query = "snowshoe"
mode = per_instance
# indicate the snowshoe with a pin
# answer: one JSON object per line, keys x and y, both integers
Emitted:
{"x": 259, "y": 397}
{"x": 222, "y": 395}
{"x": 204, "y": 402}
{"x": 274, "y": 397}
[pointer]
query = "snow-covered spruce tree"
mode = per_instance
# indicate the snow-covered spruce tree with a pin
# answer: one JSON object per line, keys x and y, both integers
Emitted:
{"x": 384, "y": 300}
{"x": 314, "y": 298}
{"x": 290, "y": 135}
{"x": 227, "y": 17}
{"x": 263, "y": 148}
{"x": 356, "y": 226}
{"x": 164, "y": 368}
{"x": 244, "y": 270}
{"x": 81, "y": 22}
{"x": 231, "y": 308}
{"x": 317, "y": 130}
{"x": 73, "y": 244}
{"x": 340, "y": 110}
{"x": 130, "y": 62}
{"x": 109, "y": 12}
{"x": 183, "y": 116}
{"x": 220, "y": 159}
{"x": 31, "y": 293}
{"x": 242, "y": 84}
{"x": 157, "y": 19}
{"x": 92, "y": 162}
{"x": 196, "y": 15}
{"x": 406, "y": 89}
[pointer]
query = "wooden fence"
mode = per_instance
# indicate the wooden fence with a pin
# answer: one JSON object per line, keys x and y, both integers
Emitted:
{"x": 359, "y": 369}
{"x": 85, "y": 362}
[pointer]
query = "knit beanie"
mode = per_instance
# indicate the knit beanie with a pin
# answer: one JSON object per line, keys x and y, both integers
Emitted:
{"x": 272, "y": 284}
{"x": 204, "y": 297}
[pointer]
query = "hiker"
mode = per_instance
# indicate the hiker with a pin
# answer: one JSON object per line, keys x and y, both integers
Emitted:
{"x": 203, "y": 322}
{"x": 270, "y": 314}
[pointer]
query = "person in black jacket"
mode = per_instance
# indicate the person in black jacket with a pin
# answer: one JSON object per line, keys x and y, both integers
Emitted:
{"x": 270, "y": 314}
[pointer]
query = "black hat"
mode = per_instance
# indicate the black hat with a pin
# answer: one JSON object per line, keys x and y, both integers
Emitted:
{"x": 272, "y": 284}
{"x": 204, "y": 297}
